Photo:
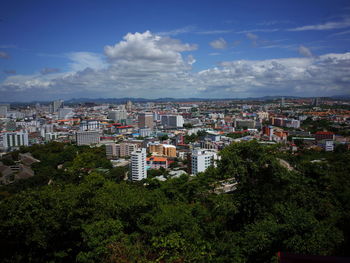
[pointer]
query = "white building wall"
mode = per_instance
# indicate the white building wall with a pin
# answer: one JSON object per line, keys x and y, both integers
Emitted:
{"x": 138, "y": 165}
{"x": 15, "y": 139}
{"x": 202, "y": 159}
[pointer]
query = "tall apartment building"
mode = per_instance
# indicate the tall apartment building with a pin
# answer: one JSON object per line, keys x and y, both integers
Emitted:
{"x": 56, "y": 105}
{"x": 146, "y": 120}
{"x": 14, "y": 139}
{"x": 87, "y": 137}
{"x": 3, "y": 111}
{"x": 117, "y": 115}
{"x": 111, "y": 151}
{"x": 138, "y": 165}
{"x": 123, "y": 149}
{"x": 46, "y": 128}
{"x": 201, "y": 159}
{"x": 172, "y": 121}
{"x": 128, "y": 106}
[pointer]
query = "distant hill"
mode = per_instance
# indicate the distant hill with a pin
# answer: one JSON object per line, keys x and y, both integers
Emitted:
{"x": 168, "y": 99}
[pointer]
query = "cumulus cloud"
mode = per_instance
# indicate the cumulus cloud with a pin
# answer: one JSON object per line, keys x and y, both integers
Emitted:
{"x": 324, "y": 75}
{"x": 142, "y": 64}
{"x": 151, "y": 66}
{"x": 49, "y": 70}
{"x": 146, "y": 52}
{"x": 219, "y": 43}
{"x": 304, "y": 51}
{"x": 4, "y": 55}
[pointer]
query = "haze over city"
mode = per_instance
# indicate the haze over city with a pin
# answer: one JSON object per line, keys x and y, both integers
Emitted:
{"x": 203, "y": 49}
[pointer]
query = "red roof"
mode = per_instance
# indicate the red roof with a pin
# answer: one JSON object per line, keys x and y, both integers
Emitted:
{"x": 324, "y": 133}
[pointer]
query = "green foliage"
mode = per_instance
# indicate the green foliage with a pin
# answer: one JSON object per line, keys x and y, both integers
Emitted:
{"x": 194, "y": 137}
{"x": 163, "y": 137}
{"x": 188, "y": 125}
{"x": 97, "y": 236}
{"x": 85, "y": 216}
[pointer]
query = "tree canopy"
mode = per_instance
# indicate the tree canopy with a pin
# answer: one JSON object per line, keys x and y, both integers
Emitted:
{"x": 89, "y": 213}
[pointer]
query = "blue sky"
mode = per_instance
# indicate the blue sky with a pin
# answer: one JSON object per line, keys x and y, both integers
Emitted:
{"x": 151, "y": 49}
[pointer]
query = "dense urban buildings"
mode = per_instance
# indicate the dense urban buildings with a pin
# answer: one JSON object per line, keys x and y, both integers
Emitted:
{"x": 183, "y": 135}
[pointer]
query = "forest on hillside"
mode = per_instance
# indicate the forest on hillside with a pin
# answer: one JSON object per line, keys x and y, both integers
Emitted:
{"x": 78, "y": 208}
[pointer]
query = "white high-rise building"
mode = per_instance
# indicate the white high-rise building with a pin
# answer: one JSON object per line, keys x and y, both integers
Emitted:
{"x": 56, "y": 105}
{"x": 46, "y": 128}
{"x": 138, "y": 165}
{"x": 172, "y": 121}
{"x": 201, "y": 159}
{"x": 118, "y": 115}
{"x": 14, "y": 139}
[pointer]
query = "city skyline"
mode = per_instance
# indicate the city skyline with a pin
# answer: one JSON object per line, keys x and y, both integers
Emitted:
{"x": 201, "y": 49}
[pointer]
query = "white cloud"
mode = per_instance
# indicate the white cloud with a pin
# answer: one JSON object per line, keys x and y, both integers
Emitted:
{"x": 146, "y": 52}
{"x": 341, "y": 33}
{"x": 304, "y": 51}
{"x": 151, "y": 66}
{"x": 219, "y": 43}
{"x": 178, "y": 31}
{"x": 325, "y": 26}
{"x": 258, "y": 30}
{"x": 295, "y": 76}
{"x": 82, "y": 60}
{"x": 213, "y": 32}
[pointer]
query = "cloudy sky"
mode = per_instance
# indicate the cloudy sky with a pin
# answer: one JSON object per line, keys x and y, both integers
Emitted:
{"x": 151, "y": 49}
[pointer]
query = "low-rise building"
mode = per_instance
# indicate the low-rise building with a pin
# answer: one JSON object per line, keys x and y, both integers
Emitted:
{"x": 155, "y": 162}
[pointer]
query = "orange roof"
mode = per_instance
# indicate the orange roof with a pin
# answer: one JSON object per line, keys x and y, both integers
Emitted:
{"x": 68, "y": 120}
{"x": 156, "y": 159}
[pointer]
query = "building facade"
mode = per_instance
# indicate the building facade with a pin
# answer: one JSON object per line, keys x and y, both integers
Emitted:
{"x": 87, "y": 137}
{"x": 145, "y": 120}
{"x": 118, "y": 115}
{"x": 201, "y": 159}
{"x": 89, "y": 125}
{"x": 138, "y": 164}
{"x": 14, "y": 139}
